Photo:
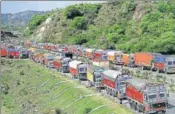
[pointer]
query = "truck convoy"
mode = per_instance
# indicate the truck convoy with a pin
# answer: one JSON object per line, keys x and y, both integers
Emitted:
{"x": 144, "y": 96}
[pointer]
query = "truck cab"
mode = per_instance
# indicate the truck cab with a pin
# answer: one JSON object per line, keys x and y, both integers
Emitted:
{"x": 145, "y": 96}
{"x": 155, "y": 99}
{"x": 169, "y": 64}
{"x": 65, "y": 64}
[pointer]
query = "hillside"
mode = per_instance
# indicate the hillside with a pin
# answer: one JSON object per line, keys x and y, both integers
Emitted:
{"x": 40, "y": 91}
{"x": 126, "y": 25}
{"x": 17, "y": 21}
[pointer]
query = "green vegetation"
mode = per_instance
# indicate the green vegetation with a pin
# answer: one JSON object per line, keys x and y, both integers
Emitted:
{"x": 35, "y": 21}
{"x": 39, "y": 90}
{"x": 150, "y": 26}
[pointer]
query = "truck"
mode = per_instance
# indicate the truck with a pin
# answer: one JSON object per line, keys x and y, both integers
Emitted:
{"x": 169, "y": 64}
{"x": 89, "y": 53}
{"x": 147, "y": 97}
{"x": 99, "y": 55}
{"x": 164, "y": 63}
{"x": 145, "y": 60}
{"x": 78, "y": 69}
{"x": 48, "y": 60}
{"x": 12, "y": 52}
{"x": 115, "y": 57}
{"x": 3, "y": 51}
{"x": 24, "y": 53}
{"x": 62, "y": 63}
{"x": 114, "y": 82}
{"x": 128, "y": 60}
{"x": 94, "y": 77}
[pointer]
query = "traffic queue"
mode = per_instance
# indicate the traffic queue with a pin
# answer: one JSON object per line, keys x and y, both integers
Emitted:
{"x": 143, "y": 95}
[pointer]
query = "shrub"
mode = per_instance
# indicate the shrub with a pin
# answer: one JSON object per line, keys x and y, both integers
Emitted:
{"x": 79, "y": 23}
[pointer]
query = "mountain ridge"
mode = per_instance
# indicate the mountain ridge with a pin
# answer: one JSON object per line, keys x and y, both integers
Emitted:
{"x": 13, "y": 21}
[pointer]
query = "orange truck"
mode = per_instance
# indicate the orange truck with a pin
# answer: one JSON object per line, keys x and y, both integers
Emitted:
{"x": 144, "y": 59}
{"x": 89, "y": 53}
{"x": 115, "y": 57}
{"x": 128, "y": 59}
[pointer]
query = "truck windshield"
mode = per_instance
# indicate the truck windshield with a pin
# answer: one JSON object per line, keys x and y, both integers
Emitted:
{"x": 170, "y": 63}
{"x": 81, "y": 69}
{"x": 158, "y": 105}
{"x": 162, "y": 95}
{"x": 65, "y": 63}
{"x": 152, "y": 96}
{"x": 122, "y": 84}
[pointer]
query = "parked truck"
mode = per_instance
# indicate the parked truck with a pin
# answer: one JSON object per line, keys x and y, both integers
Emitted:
{"x": 114, "y": 81}
{"x": 115, "y": 57}
{"x": 78, "y": 69}
{"x": 146, "y": 96}
{"x": 94, "y": 76}
{"x": 3, "y": 50}
{"x": 100, "y": 55}
{"x": 128, "y": 60}
{"x": 62, "y": 63}
{"x": 89, "y": 53}
{"x": 48, "y": 60}
{"x": 145, "y": 59}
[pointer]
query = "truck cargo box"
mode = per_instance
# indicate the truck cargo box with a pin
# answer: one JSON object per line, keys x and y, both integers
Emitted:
{"x": 89, "y": 53}
{"x": 104, "y": 64}
{"x": 145, "y": 59}
{"x": 3, "y": 52}
{"x": 159, "y": 62}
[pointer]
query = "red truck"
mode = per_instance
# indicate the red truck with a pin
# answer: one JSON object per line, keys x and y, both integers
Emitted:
{"x": 62, "y": 63}
{"x": 78, "y": 70}
{"x": 114, "y": 81}
{"x": 100, "y": 55}
{"x": 146, "y": 96}
{"x": 3, "y": 52}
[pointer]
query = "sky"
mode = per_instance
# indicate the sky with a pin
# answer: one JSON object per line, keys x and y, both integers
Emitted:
{"x": 19, "y": 6}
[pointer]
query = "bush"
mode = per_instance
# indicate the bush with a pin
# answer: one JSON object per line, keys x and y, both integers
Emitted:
{"x": 79, "y": 23}
{"x": 71, "y": 12}
{"x": 80, "y": 10}
{"x": 21, "y": 73}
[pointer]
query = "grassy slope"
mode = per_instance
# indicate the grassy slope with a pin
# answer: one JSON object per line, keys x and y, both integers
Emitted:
{"x": 34, "y": 87}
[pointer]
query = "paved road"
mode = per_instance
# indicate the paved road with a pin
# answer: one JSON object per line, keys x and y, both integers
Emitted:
{"x": 171, "y": 100}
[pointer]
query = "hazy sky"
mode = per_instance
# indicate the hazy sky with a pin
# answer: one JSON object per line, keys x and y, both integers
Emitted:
{"x": 18, "y": 6}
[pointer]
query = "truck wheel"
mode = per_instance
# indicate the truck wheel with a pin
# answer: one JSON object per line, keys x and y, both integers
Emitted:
{"x": 164, "y": 112}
